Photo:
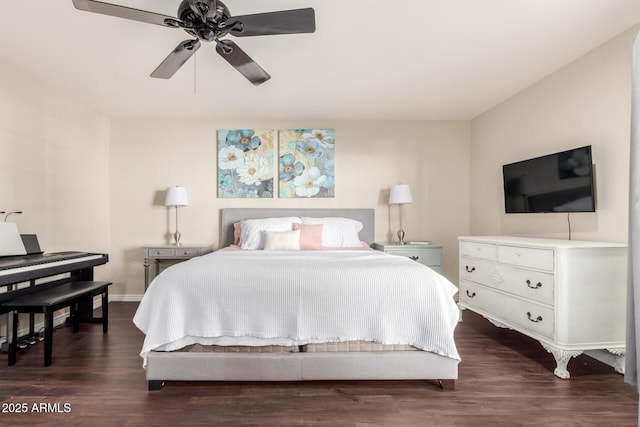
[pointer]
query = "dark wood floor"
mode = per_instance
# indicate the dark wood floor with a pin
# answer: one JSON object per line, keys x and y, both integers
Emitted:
{"x": 505, "y": 380}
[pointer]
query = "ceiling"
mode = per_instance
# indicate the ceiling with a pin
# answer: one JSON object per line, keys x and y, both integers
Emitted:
{"x": 367, "y": 60}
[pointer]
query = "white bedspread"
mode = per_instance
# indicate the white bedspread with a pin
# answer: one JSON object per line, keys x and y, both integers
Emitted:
{"x": 298, "y": 297}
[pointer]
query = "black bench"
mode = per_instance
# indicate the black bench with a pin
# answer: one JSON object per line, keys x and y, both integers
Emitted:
{"x": 50, "y": 299}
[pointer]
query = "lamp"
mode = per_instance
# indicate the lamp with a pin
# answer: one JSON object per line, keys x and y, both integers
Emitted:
{"x": 176, "y": 196}
{"x": 400, "y": 195}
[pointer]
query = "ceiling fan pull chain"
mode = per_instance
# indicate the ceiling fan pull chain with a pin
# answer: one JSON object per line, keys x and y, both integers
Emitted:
{"x": 195, "y": 73}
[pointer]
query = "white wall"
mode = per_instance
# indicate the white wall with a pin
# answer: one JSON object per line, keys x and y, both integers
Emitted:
{"x": 54, "y": 166}
{"x": 148, "y": 156}
{"x": 86, "y": 183}
{"x": 585, "y": 103}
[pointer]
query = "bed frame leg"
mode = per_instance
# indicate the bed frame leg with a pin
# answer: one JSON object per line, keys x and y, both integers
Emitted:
{"x": 155, "y": 385}
{"x": 447, "y": 384}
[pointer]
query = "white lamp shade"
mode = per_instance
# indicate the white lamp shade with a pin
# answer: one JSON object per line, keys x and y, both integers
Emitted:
{"x": 400, "y": 194}
{"x": 176, "y": 196}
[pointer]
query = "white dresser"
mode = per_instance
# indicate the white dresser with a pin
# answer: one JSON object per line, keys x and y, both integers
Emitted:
{"x": 569, "y": 295}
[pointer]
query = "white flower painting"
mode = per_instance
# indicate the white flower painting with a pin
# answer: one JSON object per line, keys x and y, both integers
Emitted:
{"x": 307, "y": 163}
{"x": 246, "y": 163}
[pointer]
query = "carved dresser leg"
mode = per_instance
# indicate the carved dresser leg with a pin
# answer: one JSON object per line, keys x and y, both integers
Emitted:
{"x": 620, "y": 359}
{"x": 562, "y": 359}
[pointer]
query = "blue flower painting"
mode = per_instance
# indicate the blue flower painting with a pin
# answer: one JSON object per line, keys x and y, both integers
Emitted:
{"x": 307, "y": 163}
{"x": 245, "y": 163}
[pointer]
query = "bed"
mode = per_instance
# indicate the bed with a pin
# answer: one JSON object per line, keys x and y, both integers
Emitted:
{"x": 348, "y": 313}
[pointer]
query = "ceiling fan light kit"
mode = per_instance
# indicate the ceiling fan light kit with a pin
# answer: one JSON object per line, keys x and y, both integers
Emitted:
{"x": 210, "y": 21}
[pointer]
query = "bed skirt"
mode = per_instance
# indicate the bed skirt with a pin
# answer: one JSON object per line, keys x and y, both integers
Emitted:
{"x": 384, "y": 365}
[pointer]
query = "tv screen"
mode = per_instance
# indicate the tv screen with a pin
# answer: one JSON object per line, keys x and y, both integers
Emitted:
{"x": 560, "y": 182}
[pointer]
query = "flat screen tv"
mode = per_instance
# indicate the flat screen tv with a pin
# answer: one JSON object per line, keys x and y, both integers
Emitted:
{"x": 559, "y": 182}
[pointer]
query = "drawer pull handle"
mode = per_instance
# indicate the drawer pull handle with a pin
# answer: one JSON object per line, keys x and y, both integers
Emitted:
{"x": 414, "y": 257}
{"x": 536, "y": 286}
{"x": 469, "y": 270}
{"x": 471, "y": 295}
{"x": 536, "y": 320}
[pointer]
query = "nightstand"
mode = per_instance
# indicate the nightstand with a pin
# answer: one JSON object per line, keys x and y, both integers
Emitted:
{"x": 170, "y": 252}
{"x": 429, "y": 255}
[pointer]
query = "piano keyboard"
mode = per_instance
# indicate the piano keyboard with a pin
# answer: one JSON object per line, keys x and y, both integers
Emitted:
{"x": 45, "y": 261}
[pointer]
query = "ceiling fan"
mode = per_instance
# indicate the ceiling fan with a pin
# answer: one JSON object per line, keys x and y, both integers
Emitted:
{"x": 210, "y": 21}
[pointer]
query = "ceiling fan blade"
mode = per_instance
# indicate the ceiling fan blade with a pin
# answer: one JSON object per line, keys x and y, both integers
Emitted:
{"x": 176, "y": 59}
{"x": 271, "y": 23}
{"x": 242, "y": 62}
{"x": 124, "y": 12}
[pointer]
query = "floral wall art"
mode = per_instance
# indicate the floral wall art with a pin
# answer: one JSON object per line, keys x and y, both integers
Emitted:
{"x": 246, "y": 163}
{"x": 306, "y": 163}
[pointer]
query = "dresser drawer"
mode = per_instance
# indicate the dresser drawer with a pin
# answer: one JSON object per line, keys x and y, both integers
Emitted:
{"x": 426, "y": 256}
{"x": 186, "y": 252}
{"x": 478, "y": 250}
{"x": 530, "y": 284}
{"x": 429, "y": 255}
{"x": 541, "y": 259}
{"x": 479, "y": 271}
{"x": 511, "y": 311}
{"x": 160, "y": 252}
{"x": 178, "y": 252}
{"x": 535, "y": 285}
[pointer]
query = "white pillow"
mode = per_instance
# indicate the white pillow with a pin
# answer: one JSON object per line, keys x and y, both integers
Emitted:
{"x": 282, "y": 240}
{"x": 251, "y": 230}
{"x": 338, "y": 232}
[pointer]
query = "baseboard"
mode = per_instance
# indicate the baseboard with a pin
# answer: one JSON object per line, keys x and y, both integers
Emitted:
{"x": 125, "y": 298}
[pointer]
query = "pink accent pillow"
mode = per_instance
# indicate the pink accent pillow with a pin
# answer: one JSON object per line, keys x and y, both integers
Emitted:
{"x": 310, "y": 236}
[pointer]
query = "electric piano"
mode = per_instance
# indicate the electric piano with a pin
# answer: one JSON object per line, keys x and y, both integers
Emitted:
{"x": 29, "y": 268}
{"x": 37, "y": 271}
{"x": 18, "y": 269}
{"x": 27, "y": 275}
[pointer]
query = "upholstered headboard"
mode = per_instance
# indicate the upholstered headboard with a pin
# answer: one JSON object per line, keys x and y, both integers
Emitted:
{"x": 232, "y": 215}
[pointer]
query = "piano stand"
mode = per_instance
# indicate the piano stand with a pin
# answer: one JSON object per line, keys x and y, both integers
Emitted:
{"x": 51, "y": 299}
